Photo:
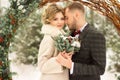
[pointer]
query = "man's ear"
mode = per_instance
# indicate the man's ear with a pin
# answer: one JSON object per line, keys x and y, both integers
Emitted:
{"x": 77, "y": 15}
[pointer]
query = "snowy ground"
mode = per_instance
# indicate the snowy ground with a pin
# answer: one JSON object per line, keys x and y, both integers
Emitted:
{"x": 30, "y": 72}
{"x": 25, "y": 72}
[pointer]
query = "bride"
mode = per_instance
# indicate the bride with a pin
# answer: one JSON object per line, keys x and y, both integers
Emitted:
{"x": 53, "y": 22}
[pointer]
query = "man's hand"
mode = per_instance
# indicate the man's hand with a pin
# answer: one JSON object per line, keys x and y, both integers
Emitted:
{"x": 65, "y": 59}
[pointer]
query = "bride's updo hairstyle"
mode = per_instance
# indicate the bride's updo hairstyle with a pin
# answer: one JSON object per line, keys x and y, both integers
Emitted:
{"x": 50, "y": 11}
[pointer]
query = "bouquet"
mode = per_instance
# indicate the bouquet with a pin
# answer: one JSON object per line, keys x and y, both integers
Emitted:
{"x": 66, "y": 43}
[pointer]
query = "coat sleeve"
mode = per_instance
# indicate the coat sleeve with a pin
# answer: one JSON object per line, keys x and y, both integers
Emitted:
{"x": 98, "y": 56}
{"x": 46, "y": 62}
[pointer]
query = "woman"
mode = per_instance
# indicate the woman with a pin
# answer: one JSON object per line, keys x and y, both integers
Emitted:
{"x": 53, "y": 20}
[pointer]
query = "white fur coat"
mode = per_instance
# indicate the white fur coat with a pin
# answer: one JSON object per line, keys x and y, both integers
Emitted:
{"x": 50, "y": 69}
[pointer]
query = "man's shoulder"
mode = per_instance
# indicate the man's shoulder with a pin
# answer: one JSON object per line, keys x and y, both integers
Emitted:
{"x": 94, "y": 32}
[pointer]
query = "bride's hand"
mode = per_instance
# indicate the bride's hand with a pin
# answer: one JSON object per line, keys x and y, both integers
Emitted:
{"x": 60, "y": 55}
{"x": 67, "y": 55}
{"x": 64, "y": 59}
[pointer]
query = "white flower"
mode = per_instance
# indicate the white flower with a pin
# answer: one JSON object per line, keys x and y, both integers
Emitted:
{"x": 20, "y": 7}
{"x": 76, "y": 44}
{"x": 66, "y": 28}
{"x": 64, "y": 38}
{"x": 23, "y": 10}
{"x": 18, "y": 2}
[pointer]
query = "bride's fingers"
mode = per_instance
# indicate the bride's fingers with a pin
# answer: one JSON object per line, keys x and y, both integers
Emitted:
{"x": 67, "y": 55}
{"x": 70, "y": 53}
{"x": 63, "y": 52}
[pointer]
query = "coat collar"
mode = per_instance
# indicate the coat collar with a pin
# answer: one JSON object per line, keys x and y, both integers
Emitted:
{"x": 51, "y": 30}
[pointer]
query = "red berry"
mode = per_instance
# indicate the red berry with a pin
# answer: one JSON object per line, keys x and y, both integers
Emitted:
{"x": 1, "y": 39}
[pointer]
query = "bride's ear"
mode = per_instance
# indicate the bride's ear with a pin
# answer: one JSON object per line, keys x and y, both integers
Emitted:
{"x": 48, "y": 21}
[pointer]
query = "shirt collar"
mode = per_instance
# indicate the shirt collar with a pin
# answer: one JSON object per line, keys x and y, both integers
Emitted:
{"x": 82, "y": 28}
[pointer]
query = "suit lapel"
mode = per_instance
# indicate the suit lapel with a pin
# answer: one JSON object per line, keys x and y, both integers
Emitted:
{"x": 84, "y": 32}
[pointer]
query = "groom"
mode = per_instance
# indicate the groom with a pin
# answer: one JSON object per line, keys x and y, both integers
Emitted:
{"x": 89, "y": 63}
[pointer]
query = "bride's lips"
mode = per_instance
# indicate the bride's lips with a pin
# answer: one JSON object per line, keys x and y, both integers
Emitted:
{"x": 59, "y": 25}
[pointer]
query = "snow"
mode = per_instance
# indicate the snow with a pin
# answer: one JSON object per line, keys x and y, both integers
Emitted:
{"x": 25, "y": 72}
{"x": 30, "y": 72}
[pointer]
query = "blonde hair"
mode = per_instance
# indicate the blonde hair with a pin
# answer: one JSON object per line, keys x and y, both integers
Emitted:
{"x": 50, "y": 11}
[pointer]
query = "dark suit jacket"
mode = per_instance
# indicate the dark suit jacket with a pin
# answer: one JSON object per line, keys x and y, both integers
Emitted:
{"x": 90, "y": 61}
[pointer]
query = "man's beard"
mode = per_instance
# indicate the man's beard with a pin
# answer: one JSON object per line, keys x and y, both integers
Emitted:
{"x": 73, "y": 25}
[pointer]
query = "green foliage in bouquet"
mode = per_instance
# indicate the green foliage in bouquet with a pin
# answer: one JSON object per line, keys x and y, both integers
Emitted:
{"x": 66, "y": 43}
{"x": 63, "y": 44}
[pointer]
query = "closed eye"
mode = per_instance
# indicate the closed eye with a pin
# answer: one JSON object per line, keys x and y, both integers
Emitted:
{"x": 62, "y": 18}
{"x": 66, "y": 18}
{"x": 55, "y": 19}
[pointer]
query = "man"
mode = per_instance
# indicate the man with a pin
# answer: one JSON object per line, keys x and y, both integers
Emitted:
{"x": 89, "y": 63}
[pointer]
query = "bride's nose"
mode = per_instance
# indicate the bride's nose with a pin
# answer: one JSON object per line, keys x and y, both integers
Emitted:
{"x": 60, "y": 21}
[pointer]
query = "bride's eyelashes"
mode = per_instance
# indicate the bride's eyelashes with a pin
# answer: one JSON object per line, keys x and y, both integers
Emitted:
{"x": 55, "y": 19}
{"x": 62, "y": 18}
